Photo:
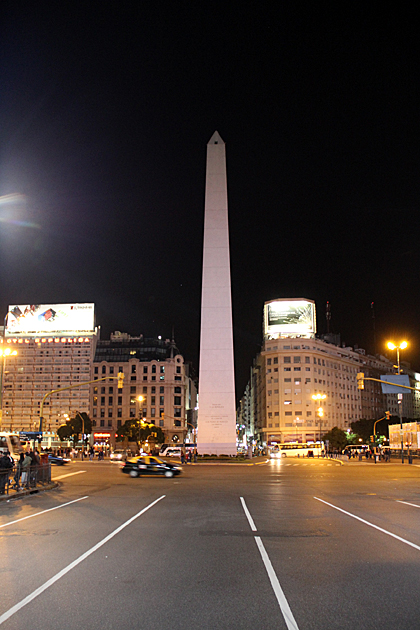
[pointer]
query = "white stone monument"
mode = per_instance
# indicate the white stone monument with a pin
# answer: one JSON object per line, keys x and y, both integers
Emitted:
{"x": 216, "y": 399}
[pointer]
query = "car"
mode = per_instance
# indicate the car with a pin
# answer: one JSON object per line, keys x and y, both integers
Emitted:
{"x": 59, "y": 461}
{"x": 171, "y": 452}
{"x": 147, "y": 465}
{"x": 118, "y": 454}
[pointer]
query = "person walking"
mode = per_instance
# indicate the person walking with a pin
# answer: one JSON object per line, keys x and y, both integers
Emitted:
{"x": 26, "y": 468}
{"x": 18, "y": 471}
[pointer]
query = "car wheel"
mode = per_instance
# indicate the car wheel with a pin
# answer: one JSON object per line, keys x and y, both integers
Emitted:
{"x": 134, "y": 473}
{"x": 169, "y": 473}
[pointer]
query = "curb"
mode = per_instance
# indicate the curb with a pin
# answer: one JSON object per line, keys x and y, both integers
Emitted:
{"x": 25, "y": 493}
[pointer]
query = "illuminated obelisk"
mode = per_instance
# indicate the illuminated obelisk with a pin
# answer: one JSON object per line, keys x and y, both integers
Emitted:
{"x": 216, "y": 401}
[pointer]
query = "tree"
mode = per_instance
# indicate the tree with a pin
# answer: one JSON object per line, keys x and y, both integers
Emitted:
{"x": 74, "y": 426}
{"x": 135, "y": 430}
{"x": 337, "y": 438}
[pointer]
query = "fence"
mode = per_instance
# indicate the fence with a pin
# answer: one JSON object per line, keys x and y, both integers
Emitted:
{"x": 17, "y": 479}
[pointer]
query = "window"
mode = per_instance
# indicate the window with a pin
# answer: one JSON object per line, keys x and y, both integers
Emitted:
{"x": 96, "y": 370}
{"x": 177, "y": 400}
{"x": 119, "y": 413}
{"x": 298, "y": 413}
{"x": 162, "y": 390}
{"x": 161, "y": 412}
{"x": 287, "y": 360}
{"x": 132, "y": 412}
{"x": 110, "y": 400}
{"x": 153, "y": 378}
{"x": 162, "y": 400}
{"x": 118, "y": 423}
{"x": 287, "y": 413}
{"x": 102, "y": 400}
{"x": 102, "y": 423}
{"x": 110, "y": 390}
{"x": 162, "y": 369}
{"x": 109, "y": 412}
{"x": 153, "y": 400}
{"x": 95, "y": 390}
{"x": 111, "y": 369}
{"x": 144, "y": 369}
{"x": 133, "y": 389}
{"x": 102, "y": 390}
{"x": 177, "y": 413}
{"x": 120, "y": 400}
{"x": 145, "y": 390}
{"x": 268, "y": 361}
{"x": 296, "y": 359}
{"x": 309, "y": 413}
{"x": 275, "y": 360}
{"x": 102, "y": 415}
{"x": 133, "y": 369}
{"x": 153, "y": 412}
{"x": 178, "y": 369}
{"x": 95, "y": 400}
{"x": 287, "y": 369}
{"x": 177, "y": 390}
{"x": 95, "y": 413}
{"x": 104, "y": 369}
{"x": 296, "y": 369}
{"x": 287, "y": 380}
{"x": 307, "y": 380}
{"x": 153, "y": 389}
{"x": 153, "y": 369}
{"x": 120, "y": 369}
{"x": 161, "y": 423}
{"x": 133, "y": 378}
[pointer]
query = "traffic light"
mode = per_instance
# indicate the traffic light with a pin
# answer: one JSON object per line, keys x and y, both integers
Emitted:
{"x": 360, "y": 380}
{"x": 388, "y": 415}
{"x": 120, "y": 380}
{"x": 372, "y": 438}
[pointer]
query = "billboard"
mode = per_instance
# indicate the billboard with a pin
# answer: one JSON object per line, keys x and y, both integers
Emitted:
{"x": 284, "y": 317}
{"x": 46, "y": 319}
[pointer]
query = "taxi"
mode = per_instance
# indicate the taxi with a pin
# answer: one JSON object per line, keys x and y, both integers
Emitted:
{"x": 148, "y": 465}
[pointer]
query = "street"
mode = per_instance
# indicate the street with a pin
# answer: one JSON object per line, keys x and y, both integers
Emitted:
{"x": 292, "y": 543}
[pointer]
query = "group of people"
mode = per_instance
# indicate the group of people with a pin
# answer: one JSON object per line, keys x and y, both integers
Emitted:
{"x": 188, "y": 457}
{"x": 25, "y": 471}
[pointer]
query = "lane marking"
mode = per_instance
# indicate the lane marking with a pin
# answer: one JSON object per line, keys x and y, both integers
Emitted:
{"x": 57, "y": 507}
{"x": 248, "y": 515}
{"x": 278, "y": 591}
{"x": 14, "y": 609}
{"x": 362, "y": 520}
{"x": 79, "y": 472}
{"x": 406, "y": 503}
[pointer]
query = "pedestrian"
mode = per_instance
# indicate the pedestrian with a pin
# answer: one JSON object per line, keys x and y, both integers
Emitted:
{"x": 18, "y": 471}
{"x": 26, "y": 467}
{"x": 6, "y": 465}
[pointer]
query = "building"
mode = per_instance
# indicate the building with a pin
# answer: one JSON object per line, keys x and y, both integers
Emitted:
{"x": 295, "y": 365}
{"x": 154, "y": 370}
{"x": 55, "y": 346}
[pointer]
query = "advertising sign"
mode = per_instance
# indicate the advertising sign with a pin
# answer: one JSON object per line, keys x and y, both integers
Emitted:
{"x": 289, "y": 317}
{"x": 35, "y": 319}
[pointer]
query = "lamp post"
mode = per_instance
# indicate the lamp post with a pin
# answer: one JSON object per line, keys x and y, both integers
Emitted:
{"x": 6, "y": 352}
{"x": 140, "y": 399}
{"x": 402, "y": 346}
{"x": 320, "y": 411}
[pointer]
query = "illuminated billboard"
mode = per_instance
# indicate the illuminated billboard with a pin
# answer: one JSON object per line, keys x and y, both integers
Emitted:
{"x": 289, "y": 317}
{"x": 45, "y": 319}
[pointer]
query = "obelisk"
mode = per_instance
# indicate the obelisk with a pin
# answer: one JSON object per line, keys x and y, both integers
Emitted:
{"x": 216, "y": 392}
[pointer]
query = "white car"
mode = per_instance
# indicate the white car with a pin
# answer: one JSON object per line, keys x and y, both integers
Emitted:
{"x": 171, "y": 452}
{"x": 117, "y": 455}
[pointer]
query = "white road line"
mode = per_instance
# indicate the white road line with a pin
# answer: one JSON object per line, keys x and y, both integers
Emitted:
{"x": 362, "y": 520}
{"x": 278, "y": 591}
{"x": 57, "y": 507}
{"x": 248, "y": 515}
{"x": 79, "y": 472}
{"x": 406, "y": 503}
{"x": 14, "y": 609}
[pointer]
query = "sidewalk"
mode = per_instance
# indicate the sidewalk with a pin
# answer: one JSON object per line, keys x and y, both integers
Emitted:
{"x": 13, "y": 494}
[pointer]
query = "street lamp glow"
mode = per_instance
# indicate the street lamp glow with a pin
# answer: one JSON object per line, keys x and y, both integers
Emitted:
{"x": 7, "y": 352}
{"x": 140, "y": 398}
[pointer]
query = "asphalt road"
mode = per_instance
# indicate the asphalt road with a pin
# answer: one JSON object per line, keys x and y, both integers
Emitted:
{"x": 221, "y": 546}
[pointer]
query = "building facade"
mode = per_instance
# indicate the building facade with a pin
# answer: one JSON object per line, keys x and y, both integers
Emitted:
{"x": 154, "y": 370}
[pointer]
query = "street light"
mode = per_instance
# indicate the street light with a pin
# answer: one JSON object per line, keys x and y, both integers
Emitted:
{"x": 320, "y": 411}
{"x": 402, "y": 346}
{"x": 7, "y": 352}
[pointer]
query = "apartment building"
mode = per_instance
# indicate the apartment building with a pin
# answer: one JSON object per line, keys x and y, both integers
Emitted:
{"x": 154, "y": 370}
{"x": 55, "y": 346}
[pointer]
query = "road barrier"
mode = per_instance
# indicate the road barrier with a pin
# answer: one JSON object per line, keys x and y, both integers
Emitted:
{"x": 18, "y": 479}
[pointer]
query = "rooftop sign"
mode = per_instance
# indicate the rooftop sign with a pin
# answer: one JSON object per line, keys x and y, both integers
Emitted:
{"x": 41, "y": 319}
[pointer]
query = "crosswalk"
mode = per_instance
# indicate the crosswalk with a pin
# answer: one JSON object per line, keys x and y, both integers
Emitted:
{"x": 318, "y": 464}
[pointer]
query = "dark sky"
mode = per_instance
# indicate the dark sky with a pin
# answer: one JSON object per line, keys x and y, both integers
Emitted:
{"x": 105, "y": 113}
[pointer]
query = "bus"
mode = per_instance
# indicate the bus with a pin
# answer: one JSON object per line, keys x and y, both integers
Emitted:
{"x": 10, "y": 442}
{"x": 294, "y": 449}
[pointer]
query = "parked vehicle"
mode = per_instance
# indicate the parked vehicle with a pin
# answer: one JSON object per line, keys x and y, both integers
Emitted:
{"x": 10, "y": 442}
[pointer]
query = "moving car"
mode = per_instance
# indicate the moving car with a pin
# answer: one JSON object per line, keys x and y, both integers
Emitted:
{"x": 59, "y": 461}
{"x": 171, "y": 452}
{"x": 118, "y": 454}
{"x": 147, "y": 465}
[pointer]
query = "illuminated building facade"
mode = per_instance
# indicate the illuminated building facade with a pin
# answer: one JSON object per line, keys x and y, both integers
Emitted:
{"x": 55, "y": 346}
{"x": 153, "y": 369}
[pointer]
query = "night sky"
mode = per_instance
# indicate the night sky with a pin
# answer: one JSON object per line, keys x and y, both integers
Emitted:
{"x": 105, "y": 114}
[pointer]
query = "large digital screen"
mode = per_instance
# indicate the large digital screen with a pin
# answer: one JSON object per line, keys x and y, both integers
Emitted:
{"x": 35, "y": 319}
{"x": 289, "y": 317}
